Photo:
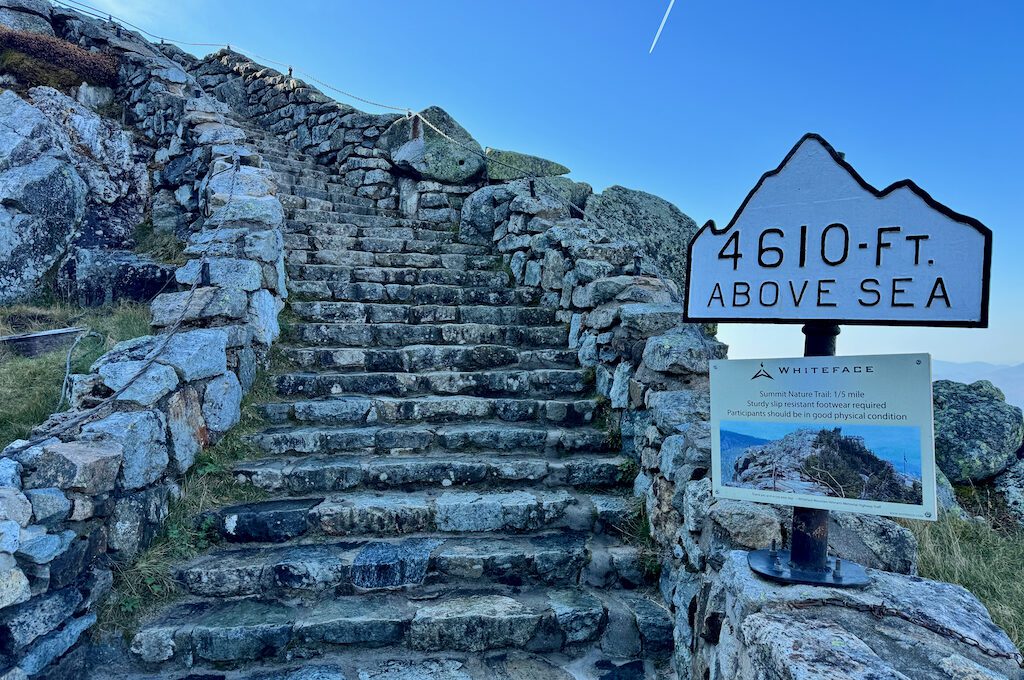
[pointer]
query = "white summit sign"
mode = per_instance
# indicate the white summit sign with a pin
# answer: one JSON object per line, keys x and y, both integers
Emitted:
{"x": 814, "y": 242}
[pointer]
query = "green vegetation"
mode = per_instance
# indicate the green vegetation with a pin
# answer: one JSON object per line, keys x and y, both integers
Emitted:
{"x": 983, "y": 554}
{"x": 148, "y": 582}
{"x": 850, "y": 470}
{"x": 36, "y": 59}
{"x": 635, "y": 530}
{"x": 30, "y": 388}
{"x": 160, "y": 245}
{"x": 32, "y": 72}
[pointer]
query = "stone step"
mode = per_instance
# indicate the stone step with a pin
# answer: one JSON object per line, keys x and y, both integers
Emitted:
{"x": 539, "y": 383}
{"x": 393, "y": 312}
{"x": 400, "y": 335}
{"x": 317, "y": 217}
{"x": 398, "y": 275}
{"x": 321, "y": 230}
{"x": 376, "y": 664}
{"x": 419, "y": 358}
{"x": 360, "y": 258}
{"x": 233, "y": 632}
{"x": 317, "y": 242}
{"x": 353, "y": 566}
{"x": 427, "y": 294}
{"x": 393, "y": 513}
{"x": 404, "y": 439}
{"x": 431, "y": 409}
{"x": 326, "y": 474}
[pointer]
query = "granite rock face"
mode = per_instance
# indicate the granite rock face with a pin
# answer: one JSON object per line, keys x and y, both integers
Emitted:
{"x": 747, "y": 627}
{"x": 661, "y": 228}
{"x": 509, "y": 165}
{"x": 977, "y": 434}
{"x": 42, "y": 197}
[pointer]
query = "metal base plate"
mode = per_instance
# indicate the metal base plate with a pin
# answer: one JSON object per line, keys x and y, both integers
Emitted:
{"x": 765, "y": 563}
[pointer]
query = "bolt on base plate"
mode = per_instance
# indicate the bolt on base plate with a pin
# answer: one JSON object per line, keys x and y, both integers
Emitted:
{"x": 776, "y": 566}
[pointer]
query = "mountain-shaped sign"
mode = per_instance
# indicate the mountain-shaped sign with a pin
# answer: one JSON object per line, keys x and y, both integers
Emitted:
{"x": 814, "y": 242}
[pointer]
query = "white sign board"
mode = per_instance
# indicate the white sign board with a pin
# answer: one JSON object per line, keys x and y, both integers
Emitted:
{"x": 814, "y": 242}
{"x": 835, "y": 433}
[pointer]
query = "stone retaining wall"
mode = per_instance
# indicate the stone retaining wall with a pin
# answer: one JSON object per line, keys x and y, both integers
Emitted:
{"x": 73, "y": 504}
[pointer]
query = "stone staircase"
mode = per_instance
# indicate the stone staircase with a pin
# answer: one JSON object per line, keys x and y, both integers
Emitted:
{"x": 442, "y": 503}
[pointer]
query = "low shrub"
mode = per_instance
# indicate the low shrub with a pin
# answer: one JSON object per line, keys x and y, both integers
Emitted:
{"x": 32, "y": 52}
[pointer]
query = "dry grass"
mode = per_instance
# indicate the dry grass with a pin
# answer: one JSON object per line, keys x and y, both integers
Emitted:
{"x": 142, "y": 586}
{"x": 30, "y": 387}
{"x": 984, "y": 556}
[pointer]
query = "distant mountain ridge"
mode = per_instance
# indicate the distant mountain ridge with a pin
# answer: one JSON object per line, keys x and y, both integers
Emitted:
{"x": 735, "y": 440}
{"x": 1010, "y": 379}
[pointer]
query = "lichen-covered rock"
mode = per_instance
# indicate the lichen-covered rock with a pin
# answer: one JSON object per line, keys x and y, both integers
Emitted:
{"x": 747, "y": 627}
{"x": 85, "y": 466}
{"x": 26, "y": 15}
{"x": 977, "y": 434}
{"x": 684, "y": 350}
{"x": 97, "y": 276}
{"x": 142, "y": 437}
{"x": 42, "y": 198}
{"x": 431, "y": 156}
{"x": 661, "y": 229}
{"x": 509, "y": 165}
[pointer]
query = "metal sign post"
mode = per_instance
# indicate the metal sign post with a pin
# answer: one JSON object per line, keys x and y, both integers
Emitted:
{"x": 807, "y": 560}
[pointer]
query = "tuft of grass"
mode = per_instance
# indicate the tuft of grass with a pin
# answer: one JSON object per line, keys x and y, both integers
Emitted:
{"x": 981, "y": 556}
{"x": 30, "y": 387}
{"x": 628, "y": 470}
{"x": 148, "y": 582}
{"x": 160, "y": 245}
{"x": 635, "y": 530}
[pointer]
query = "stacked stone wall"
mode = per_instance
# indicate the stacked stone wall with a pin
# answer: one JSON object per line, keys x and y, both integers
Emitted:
{"x": 97, "y": 492}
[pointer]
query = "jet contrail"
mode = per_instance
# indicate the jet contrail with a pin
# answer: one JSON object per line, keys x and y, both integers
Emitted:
{"x": 660, "y": 28}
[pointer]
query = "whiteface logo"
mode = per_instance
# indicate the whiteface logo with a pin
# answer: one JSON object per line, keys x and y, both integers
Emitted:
{"x": 762, "y": 374}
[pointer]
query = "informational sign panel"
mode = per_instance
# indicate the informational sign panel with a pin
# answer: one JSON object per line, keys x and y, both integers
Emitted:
{"x": 814, "y": 242}
{"x": 849, "y": 433}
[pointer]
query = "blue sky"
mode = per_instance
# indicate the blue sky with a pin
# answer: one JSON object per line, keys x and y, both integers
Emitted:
{"x": 926, "y": 90}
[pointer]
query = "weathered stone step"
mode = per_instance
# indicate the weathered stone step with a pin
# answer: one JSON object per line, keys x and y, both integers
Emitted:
{"x": 236, "y": 631}
{"x": 379, "y": 221}
{"x": 375, "y": 664}
{"x": 326, "y": 474}
{"x": 401, "y": 275}
{"x": 401, "y": 439}
{"x": 400, "y": 335}
{"x": 419, "y": 358}
{"x": 359, "y": 258}
{"x": 350, "y": 566}
{"x": 426, "y": 294}
{"x": 295, "y": 241}
{"x": 536, "y": 383}
{"x": 432, "y": 409}
{"x": 316, "y": 229}
{"x": 391, "y": 312}
{"x": 392, "y": 513}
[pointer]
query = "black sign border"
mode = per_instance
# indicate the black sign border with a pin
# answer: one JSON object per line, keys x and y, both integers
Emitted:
{"x": 921, "y": 193}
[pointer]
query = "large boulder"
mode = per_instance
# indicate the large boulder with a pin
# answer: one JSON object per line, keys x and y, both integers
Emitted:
{"x": 26, "y": 15}
{"x": 509, "y": 165}
{"x": 661, "y": 229}
{"x": 977, "y": 434}
{"x": 42, "y": 198}
{"x": 105, "y": 156}
{"x": 94, "y": 276}
{"x": 430, "y": 155}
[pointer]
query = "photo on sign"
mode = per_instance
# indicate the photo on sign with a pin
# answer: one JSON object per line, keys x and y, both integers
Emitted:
{"x": 849, "y": 433}
{"x": 863, "y": 462}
